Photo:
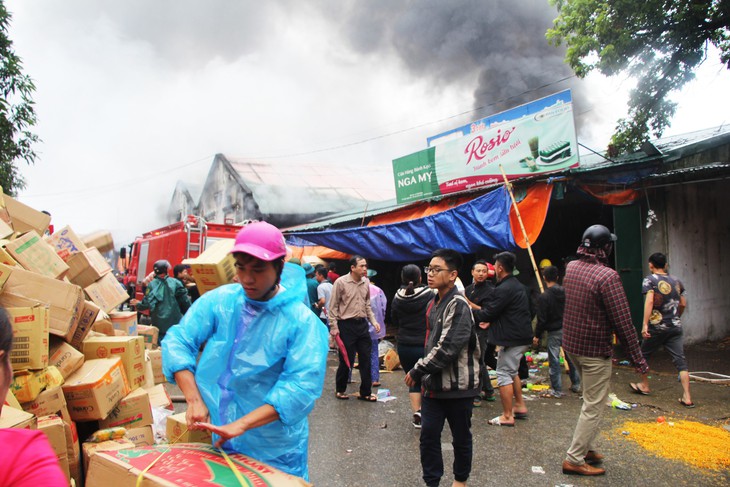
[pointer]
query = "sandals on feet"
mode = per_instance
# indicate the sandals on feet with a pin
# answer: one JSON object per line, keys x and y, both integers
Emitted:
{"x": 638, "y": 390}
{"x": 342, "y": 396}
{"x": 518, "y": 415}
{"x": 370, "y": 398}
{"x": 686, "y": 404}
{"x": 497, "y": 422}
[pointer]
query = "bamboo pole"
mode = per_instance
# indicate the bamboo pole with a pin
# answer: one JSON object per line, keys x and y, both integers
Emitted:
{"x": 522, "y": 226}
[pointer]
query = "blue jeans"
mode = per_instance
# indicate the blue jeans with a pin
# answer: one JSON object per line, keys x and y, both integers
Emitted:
{"x": 554, "y": 342}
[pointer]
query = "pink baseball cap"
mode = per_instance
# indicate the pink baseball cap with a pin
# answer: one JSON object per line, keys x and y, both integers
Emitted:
{"x": 261, "y": 240}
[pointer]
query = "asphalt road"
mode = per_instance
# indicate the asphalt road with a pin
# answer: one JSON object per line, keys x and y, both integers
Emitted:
{"x": 355, "y": 443}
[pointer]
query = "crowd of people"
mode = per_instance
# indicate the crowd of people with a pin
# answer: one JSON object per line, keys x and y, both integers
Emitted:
{"x": 250, "y": 357}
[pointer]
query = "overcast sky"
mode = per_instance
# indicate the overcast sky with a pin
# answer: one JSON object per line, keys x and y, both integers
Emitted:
{"x": 133, "y": 96}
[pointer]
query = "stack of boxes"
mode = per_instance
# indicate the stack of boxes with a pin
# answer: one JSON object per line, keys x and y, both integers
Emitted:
{"x": 56, "y": 290}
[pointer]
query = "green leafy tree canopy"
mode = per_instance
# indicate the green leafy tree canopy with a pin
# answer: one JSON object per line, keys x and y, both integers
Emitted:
{"x": 17, "y": 113}
{"x": 658, "y": 42}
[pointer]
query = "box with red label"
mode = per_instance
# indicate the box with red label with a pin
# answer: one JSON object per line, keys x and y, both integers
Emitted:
{"x": 24, "y": 288}
{"x": 30, "y": 337}
{"x": 107, "y": 293}
{"x": 129, "y": 349}
{"x": 125, "y": 321}
{"x": 95, "y": 389}
{"x": 50, "y": 401}
{"x": 87, "y": 267}
{"x": 133, "y": 411}
{"x": 89, "y": 450}
{"x": 34, "y": 254}
{"x": 183, "y": 464}
{"x": 66, "y": 243}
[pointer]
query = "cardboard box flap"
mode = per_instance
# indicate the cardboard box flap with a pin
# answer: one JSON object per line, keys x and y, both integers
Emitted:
{"x": 24, "y": 218}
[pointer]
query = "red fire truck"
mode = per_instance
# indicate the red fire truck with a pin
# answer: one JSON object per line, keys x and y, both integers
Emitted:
{"x": 174, "y": 243}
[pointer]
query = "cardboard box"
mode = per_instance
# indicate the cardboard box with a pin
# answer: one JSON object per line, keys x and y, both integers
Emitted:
{"x": 214, "y": 267}
{"x": 129, "y": 349}
{"x": 182, "y": 464}
{"x": 133, "y": 411}
{"x": 11, "y": 401}
{"x": 177, "y": 431}
{"x": 95, "y": 389}
{"x": 143, "y": 436}
{"x": 87, "y": 267}
{"x": 89, "y": 450}
{"x": 125, "y": 321}
{"x": 25, "y": 288}
{"x": 64, "y": 357}
{"x": 101, "y": 239}
{"x": 66, "y": 243}
{"x": 17, "y": 418}
{"x": 50, "y": 401}
{"x": 30, "y": 337}
{"x": 5, "y": 257}
{"x": 34, "y": 254}
{"x": 87, "y": 318}
{"x": 107, "y": 292}
{"x": 103, "y": 325}
{"x": 24, "y": 218}
{"x": 6, "y": 230}
{"x": 53, "y": 376}
{"x": 159, "y": 398}
{"x": 150, "y": 334}
{"x": 149, "y": 377}
{"x": 27, "y": 384}
{"x": 155, "y": 357}
{"x": 391, "y": 361}
{"x": 55, "y": 429}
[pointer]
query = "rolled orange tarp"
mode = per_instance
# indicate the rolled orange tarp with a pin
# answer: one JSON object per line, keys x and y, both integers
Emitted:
{"x": 318, "y": 251}
{"x": 533, "y": 210}
{"x": 610, "y": 196}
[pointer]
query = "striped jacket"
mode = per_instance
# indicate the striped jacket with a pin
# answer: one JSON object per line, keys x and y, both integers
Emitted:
{"x": 450, "y": 368}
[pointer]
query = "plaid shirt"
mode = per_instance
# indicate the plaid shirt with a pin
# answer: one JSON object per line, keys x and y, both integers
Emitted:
{"x": 596, "y": 306}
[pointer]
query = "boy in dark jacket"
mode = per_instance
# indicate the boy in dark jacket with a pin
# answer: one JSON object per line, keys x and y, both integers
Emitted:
{"x": 449, "y": 373}
{"x": 550, "y": 307}
{"x": 507, "y": 318}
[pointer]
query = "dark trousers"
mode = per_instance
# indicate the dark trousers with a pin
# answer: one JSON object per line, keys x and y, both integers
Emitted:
{"x": 433, "y": 414}
{"x": 486, "y": 384}
{"x": 356, "y": 338}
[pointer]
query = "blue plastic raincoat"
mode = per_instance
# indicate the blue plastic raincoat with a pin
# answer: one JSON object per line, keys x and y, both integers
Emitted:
{"x": 272, "y": 352}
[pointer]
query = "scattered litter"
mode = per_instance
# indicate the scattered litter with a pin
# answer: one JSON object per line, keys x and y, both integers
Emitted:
{"x": 617, "y": 403}
{"x": 558, "y": 403}
{"x": 624, "y": 362}
{"x": 390, "y": 411}
{"x": 384, "y": 395}
{"x": 625, "y": 433}
{"x": 538, "y": 469}
{"x": 383, "y": 426}
{"x": 349, "y": 450}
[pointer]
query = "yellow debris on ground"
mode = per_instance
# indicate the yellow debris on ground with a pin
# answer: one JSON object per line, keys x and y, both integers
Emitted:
{"x": 695, "y": 443}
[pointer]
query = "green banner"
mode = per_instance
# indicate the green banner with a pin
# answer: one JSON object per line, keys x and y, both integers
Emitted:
{"x": 415, "y": 176}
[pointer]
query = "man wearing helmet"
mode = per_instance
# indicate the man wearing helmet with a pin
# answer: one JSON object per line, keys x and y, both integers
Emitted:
{"x": 165, "y": 297}
{"x": 595, "y": 308}
{"x": 264, "y": 360}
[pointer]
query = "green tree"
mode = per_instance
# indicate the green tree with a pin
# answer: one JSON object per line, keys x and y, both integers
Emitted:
{"x": 17, "y": 113}
{"x": 658, "y": 42}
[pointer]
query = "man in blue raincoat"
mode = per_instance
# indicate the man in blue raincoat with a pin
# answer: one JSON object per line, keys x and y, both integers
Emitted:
{"x": 264, "y": 360}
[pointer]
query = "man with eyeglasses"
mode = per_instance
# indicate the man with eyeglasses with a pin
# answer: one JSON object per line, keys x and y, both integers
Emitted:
{"x": 349, "y": 314}
{"x": 448, "y": 373}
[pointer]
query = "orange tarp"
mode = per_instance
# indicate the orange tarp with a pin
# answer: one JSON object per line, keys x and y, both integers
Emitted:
{"x": 533, "y": 210}
{"x": 318, "y": 251}
{"x": 610, "y": 196}
{"x": 419, "y": 211}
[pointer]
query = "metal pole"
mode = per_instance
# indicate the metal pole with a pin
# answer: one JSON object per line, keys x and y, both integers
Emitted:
{"x": 522, "y": 226}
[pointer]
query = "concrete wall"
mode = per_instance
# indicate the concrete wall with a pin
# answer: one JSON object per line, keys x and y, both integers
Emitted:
{"x": 693, "y": 230}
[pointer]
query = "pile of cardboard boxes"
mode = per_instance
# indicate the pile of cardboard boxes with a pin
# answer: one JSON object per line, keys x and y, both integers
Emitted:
{"x": 76, "y": 360}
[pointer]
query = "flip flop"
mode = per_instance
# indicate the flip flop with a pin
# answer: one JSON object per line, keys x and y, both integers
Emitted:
{"x": 637, "y": 390}
{"x": 370, "y": 398}
{"x": 497, "y": 422}
{"x": 688, "y": 405}
{"x": 519, "y": 415}
{"x": 342, "y": 396}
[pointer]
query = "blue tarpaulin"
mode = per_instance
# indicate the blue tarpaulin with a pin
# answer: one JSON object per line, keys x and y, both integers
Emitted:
{"x": 483, "y": 221}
